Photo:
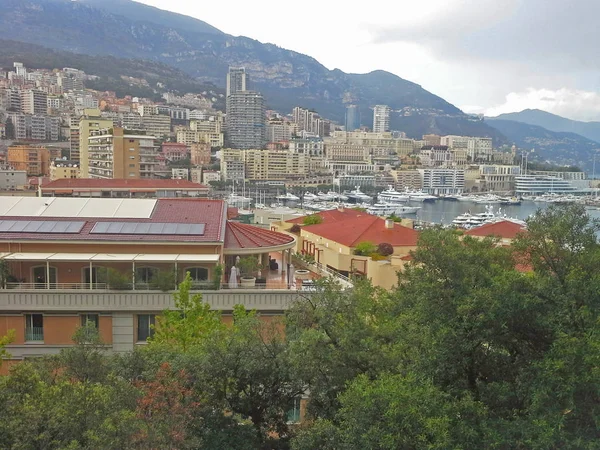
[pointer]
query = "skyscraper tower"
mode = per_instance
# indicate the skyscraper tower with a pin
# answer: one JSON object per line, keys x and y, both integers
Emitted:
{"x": 237, "y": 80}
{"x": 246, "y": 120}
{"x": 352, "y": 118}
{"x": 381, "y": 118}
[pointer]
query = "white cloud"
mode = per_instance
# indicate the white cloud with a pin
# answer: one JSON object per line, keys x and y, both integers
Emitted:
{"x": 570, "y": 103}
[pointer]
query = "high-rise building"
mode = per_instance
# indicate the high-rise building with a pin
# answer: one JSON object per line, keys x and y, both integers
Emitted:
{"x": 381, "y": 118}
{"x": 237, "y": 80}
{"x": 246, "y": 120}
{"x": 87, "y": 125}
{"x": 34, "y": 101}
{"x": 352, "y": 118}
{"x": 114, "y": 154}
{"x": 37, "y": 127}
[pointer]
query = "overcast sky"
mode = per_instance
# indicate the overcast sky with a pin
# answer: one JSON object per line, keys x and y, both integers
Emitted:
{"x": 484, "y": 56}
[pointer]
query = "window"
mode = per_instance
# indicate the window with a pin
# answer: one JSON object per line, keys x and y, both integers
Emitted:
{"x": 145, "y": 327}
{"x": 293, "y": 414}
{"x": 34, "y": 327}
{"x": 89, "y": 318}
{"x": 39, "y": 276}
{"x": 198, "y": 273}
{"x": 132, "y": 165}
{"x": 132, "y": 157}
{"x": 145, "y": 274}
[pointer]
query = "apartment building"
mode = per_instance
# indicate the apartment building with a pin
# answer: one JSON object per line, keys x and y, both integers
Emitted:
{"x": 188, "y": 137}
{"x": 63, "y": 169}
{"x": 35, "y": 161}
{"x": 34, "y": 101}
{"x": 114, "y": 154}
{"x": 200, "y": 154}
{"x": 214, "y": 126}
{"x": 407, "y": 179}
{"x": 335, "y": 151}
{"x": 438, "y": 181}
{"x": 78, "y": 260}
{"x": 498, "y": 178}
{"x": 87, "y": 126}
{"x": 233, "y": 167}
{"x": 279, "y": 130}
{"x": 381, "y": 118}
{"x": 174, "y": 151}
{"x": 237, "y": 80}
{"x": 274, "y": 164}
{"x": 352, "y": 119}
{"x": 246, "y": 120}
{"x": 156, "y": 125}
{"x": 12, "y": 180}
{"x": 35, "y": 127}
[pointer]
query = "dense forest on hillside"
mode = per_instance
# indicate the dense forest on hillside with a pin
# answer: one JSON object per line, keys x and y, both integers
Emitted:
{"x": 480, "y": 345}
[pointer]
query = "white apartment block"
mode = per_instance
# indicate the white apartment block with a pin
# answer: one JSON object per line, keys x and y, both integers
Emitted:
{"x": 36, "y": 127}
{"x": 156, "y": 125}
{"x": 438, "y": 181}
{"x": 180, "y": 173}
{"x": 189, "y": 137}
{"x": 34, "y": 101}
{"x": 381, "y": 118}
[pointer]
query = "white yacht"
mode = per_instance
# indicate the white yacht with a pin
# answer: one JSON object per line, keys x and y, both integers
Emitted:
{"x": 323, "y": 197}
{"x": 357, "y": 196}
{"x": 337, "y": 196}
{"x": 234, "y": 199}
{"x": 387, "y": 209}
{"x": 310, "y": 197}
{"x": 288, "y": 196}
{"x": 393, "y": 196}
{"x": 489, "y": 199}
{"x": 421, "y": 197}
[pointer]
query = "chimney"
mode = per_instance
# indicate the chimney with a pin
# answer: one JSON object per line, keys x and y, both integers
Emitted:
{"x": 389, "y": 224}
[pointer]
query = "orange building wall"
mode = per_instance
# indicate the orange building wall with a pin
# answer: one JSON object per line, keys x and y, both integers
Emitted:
{"x": 18, "y": 158}
{"x": 16, "y": 323}
{"x": 59, "y": 330}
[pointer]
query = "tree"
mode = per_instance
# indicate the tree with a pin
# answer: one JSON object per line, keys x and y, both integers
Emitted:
{"x": 186, "y": 326}
{"x": 86, "y": 361}
{"x": 166, "y": 409}
{"x": 336, "y": 335}
{"x": 246, "y": 369}
{"x": 4, "y": 341}
{"x": 385, "y": 249}
{"x": 313, "y": 219}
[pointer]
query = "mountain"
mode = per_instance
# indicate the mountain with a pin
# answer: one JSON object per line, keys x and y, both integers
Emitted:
{"x": 552, "y": 122}
{"x": 128, "y": 29}
{"x": 110, "y": 69}
{"x": 559, "y": 147}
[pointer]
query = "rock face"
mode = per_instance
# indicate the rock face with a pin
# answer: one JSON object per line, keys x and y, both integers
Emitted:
{"x": 128, "y": 29}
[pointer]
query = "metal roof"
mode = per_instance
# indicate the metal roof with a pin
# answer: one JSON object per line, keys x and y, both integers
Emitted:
{"x": 126, "y": 208}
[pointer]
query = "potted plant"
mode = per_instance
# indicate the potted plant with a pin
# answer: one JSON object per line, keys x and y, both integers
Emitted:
{"x": 249, "y": 267}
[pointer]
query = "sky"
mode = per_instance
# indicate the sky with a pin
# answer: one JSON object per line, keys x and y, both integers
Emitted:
{"x": 484, "y": 56}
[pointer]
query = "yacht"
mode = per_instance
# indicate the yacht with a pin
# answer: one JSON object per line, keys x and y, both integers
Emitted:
{"x": 489, "y": 199}
{"x": 510, "y": 201}
{"x": 288, "y": 196}
{"x": 234, "y": 199}
{"x": 387, "y": 209}
{"x": 356, "y": 196}
{"x": 323, "y": 197}
{"x": 421, "y": 197}
{"x": 393, "y": 196}
{"x": 310, "y": 197}
{"x": 337, "y": 196}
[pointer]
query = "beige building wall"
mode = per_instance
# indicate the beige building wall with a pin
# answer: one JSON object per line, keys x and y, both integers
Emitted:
{"x": 86, "y": 127}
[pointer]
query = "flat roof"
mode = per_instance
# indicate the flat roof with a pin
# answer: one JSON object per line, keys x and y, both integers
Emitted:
{"x": 76, "y": 207}
{"x": 121, "y": 183}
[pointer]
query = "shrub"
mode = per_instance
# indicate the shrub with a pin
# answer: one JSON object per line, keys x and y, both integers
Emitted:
{"x": 385, "y": 249}
{"x": 313, "y": 219}
{"x": 117, "y": 280}
{"x": 377, "y": 257}
{"x": 365, "y": 248}
{"x": 163, "y": 280}
{"x": 249, "y": 266}
{"x": 295, "y": 228}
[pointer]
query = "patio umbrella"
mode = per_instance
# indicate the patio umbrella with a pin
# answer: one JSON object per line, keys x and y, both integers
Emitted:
{"x": 291, "y": 280}
{"x": 233, "y": 278}
{"x": 237, "y": 260}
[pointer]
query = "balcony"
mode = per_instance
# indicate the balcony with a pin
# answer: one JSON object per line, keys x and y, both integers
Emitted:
{"x": 34, "y": 333}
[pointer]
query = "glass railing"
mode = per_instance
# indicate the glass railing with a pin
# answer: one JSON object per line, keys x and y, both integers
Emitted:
{"x": 34, "y": 333}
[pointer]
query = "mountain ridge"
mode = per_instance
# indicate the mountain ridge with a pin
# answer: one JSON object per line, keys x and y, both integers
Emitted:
{"x": 287, "y": 78}
{"x": 554, "y": 122}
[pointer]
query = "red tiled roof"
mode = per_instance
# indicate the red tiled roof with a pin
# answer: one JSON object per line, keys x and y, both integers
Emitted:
{"x": 120, "y": 183}
{"x": 243, "y": 236}
{"x": 506, "y": 229}
{"x": 364, "y": 228}
{"x": 333, "y": 215}
{"x": 212, "y": 213}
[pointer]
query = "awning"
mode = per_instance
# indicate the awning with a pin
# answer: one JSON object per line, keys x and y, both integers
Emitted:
{"x": 108, "y": 257}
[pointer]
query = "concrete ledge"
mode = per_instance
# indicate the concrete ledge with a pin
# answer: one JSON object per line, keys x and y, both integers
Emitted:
{"x": 13, "y": 300}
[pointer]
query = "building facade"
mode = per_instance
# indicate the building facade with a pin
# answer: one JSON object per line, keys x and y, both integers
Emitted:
{"x": 61, "y": 169}
{"x": 35, "y": 161}
{"x": 246, "y": 120}
{"x": 381, "y": 118}
{"x": 114, "y": 154}
{"x": 352, "y": 121}
{"x": 442, "y": 181}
